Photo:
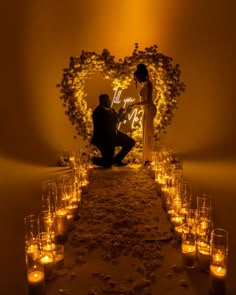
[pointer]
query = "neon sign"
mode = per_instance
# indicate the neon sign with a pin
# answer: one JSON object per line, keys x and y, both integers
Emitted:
{"x": 135, "y": 117}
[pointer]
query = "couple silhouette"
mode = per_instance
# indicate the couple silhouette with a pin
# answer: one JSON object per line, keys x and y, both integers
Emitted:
{"x": 106, "y": 135}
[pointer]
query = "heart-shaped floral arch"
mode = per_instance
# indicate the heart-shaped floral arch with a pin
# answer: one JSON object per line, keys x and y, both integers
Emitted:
{"x": 165, "y": 76}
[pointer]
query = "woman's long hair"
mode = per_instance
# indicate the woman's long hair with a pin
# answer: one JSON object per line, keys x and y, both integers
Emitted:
{"x": 141, "y": 71}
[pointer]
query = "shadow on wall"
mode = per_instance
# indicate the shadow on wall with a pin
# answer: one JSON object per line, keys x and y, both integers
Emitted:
{"x": 19, "y": 137}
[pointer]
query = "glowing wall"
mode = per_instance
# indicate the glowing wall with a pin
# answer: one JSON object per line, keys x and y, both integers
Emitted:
{"x": 40, "y": 36}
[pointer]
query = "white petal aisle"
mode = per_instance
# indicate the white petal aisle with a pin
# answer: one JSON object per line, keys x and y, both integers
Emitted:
{"x": 122, "y": 242}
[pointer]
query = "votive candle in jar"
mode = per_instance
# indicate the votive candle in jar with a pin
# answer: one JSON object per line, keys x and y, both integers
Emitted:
{"x": 217, "y": 280}
{"x": 203, "y": 256}
{"x": 178, "y": 232}
{"x": 84, "y": 186}
{"x": 46, "y": 260}
{"x": 58, "y": 253}
{"x": 35, "y": 279}
{"x": 61, "y": 224}
{"x": 188, "y": 255}
{"x": 32, "y": 252}
{"x": 36, "y": 282}
{"x": 219, "y": 259}
{"x": 177, "y": 220}
{"x": 188, "y": 246}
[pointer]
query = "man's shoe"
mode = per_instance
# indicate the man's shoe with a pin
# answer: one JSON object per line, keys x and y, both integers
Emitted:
{"x": 99, "y": 162}
{"x": 119, "y": 163}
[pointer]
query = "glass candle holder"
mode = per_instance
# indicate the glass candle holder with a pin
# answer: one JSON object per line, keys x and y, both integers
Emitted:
{"x": 204, "y": 201}
{"x": 186, "y": 196}
{"x": 84, "y": 182}
{"x": 36, "y": 279}
{"x": 32, "y": 252}
{"x": 177, "y": 218}
{"x": 61, "y": 204}
{"x": 203, "y": 236}
{"x": 178, "y": 232}
{"x": 160, "y": 173}
{"x": 31, "y": 229}
{"x": 46, "y": 260}
{"x": 203, "y": 213}
{"x": 188, "y": 246}
{"x": 58, "y": 253}
{"x": 204, "y": 228}
{"x": 191, "y": 218}
{"x": 61, "y": 225}
{"x": 203, "y": 255}
{"x": 47, "y": 222}
{"x": 74, "y": 195}
{"x": 46, "y": 241}
{"x": 218, "y": 264}
{"x": 49, "y": 191}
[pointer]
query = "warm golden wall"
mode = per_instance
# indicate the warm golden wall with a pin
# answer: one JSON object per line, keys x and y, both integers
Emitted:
{"x": 40, "y": 36}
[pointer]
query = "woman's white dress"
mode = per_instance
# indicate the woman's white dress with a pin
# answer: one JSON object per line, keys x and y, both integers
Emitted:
{"x": 150, "y": 111}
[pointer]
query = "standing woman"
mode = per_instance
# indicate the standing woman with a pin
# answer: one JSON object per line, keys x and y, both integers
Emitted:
{"x": 141, "y": 76}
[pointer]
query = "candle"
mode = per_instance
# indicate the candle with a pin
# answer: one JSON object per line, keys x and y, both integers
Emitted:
{"x": 36, "y": 283}
{"x": 217, "y": 280}
{"x": 171, "y": 212}
{"x": 78, "y": 194}
{"x": 49, "y": 247}
{"x": 178, "y": 232}
{"x": 32, "y": 250}
{"x": 58, "y": 254}
{"x": 176, "y": 220}
{"x": 61, "y": 221}
{"x": 218, "y": 257}
{"x": 203, "y": 255}
{"x": 47, "y": 263}
{"x": 72, "y": 161}
{"x": 188, "y": 254}
{"x": 70, "y": 222}
{"x": 84, "y": 186}
{"x": 184, "y": 211}
{"x": 73, "y": 208}
{"x": 59, "y": 261}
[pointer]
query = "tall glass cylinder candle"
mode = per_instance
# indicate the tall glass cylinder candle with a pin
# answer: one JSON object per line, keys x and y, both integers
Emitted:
{"x": 204, "y": 229}
{"x": 191, "y": 218}
{"x": 188, "y": 247}
{"x": 203, "y": 254}
{"x": 48, "y": 195}
{"x": 32, "y": 252}
{"x": 218, "y": 264}
{"x": 47, "y": 223}
{"x": 47, "y": 262}
{"x": 84, "y": 182}
{"x": 36, "y": 279}
{"x": 31, "y": 229}
{"x": 204, "y": 201}
{"x": 186, "y": 196}
{"x": 58, "y": 253}
{"x": 62, "y": 225}
{"x": 61, "y": 203}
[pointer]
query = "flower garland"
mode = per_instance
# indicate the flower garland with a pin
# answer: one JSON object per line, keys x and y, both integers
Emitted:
{"x": 167, "y": 85}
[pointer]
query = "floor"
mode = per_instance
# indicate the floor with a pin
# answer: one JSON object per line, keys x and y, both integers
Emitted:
{"x": 21, "y": 195}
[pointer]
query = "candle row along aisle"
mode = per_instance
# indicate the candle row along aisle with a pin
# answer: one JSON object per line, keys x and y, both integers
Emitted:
{"x": 47, "y": 231}
{"x": 203, "y": 246}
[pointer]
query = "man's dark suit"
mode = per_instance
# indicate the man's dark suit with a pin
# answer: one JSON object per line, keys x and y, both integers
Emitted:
{"x": 106, "y": 137}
